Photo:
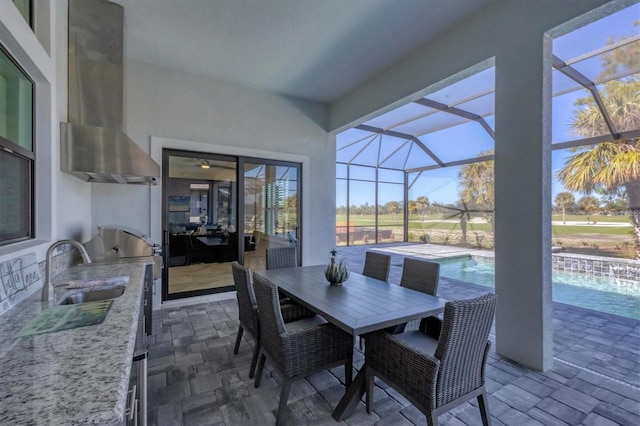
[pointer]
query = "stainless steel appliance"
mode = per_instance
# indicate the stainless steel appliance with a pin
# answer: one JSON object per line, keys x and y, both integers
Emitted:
{"x": 120, "y": 244}
{"x": 136, "y": 413}
{"x": 93, "y": 145}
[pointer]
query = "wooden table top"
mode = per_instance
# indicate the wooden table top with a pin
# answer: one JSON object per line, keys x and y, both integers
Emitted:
{"x": 360, "y": 305}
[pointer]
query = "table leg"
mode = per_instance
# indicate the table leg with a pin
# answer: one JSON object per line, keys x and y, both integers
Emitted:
{"x": 352, "y": 396}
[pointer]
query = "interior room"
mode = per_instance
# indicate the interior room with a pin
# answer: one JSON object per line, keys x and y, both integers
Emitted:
{"x": 213, "y": 128}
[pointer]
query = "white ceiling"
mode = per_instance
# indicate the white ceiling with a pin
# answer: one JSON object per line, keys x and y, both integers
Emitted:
{"x": 317, "y": 50}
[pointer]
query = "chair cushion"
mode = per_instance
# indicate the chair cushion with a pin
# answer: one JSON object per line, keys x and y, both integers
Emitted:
{"x": 419, "y": 341}
{"x": 305, "y": 323}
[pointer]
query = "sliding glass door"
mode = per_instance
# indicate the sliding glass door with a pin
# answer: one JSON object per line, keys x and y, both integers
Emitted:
{"x": 271, "y": 209}
{"x": 200, "y": 234}
{"x": 218, "y": 209}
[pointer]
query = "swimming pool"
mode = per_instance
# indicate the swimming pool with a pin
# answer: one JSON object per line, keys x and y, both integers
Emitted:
{"x": 603, "y": 294}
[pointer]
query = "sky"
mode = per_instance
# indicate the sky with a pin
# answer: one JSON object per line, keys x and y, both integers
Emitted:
{"x": 440, "y": 185}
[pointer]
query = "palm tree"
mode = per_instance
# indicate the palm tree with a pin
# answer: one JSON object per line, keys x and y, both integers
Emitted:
{"x": 392, "y": 208}
{"x": 616, "y": 205}
{"x": 588, "y": 205}
{"x": 562, "y": 200}
{"x": 477, "y": 187}
{"x": 612, "y": 167}
{"x": 412, "y": 207}
{"x": 422, "y": 202}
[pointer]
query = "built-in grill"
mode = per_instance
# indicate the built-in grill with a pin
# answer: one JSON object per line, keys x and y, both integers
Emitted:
{"x": 115, "y": 243}
{"x": 121, "y": 244}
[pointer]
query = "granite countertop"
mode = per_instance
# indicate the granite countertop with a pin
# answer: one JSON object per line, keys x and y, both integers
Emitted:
{"x": 78, "y": 376}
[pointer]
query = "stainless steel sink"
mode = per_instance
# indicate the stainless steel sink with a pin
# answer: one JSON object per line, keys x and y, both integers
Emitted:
{"x": 93, "y": 295}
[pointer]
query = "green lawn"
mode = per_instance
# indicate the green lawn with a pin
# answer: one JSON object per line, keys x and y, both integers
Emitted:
{"x": 557, "y": 230}
{"x": 597, "y": 218}
{"x": 595, "y": 239}
{"x": 590, "y": 229}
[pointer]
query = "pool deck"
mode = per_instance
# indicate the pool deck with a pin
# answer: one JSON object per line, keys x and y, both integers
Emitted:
{"x": 195, "y": 379}
{"x": 594, "y": 343}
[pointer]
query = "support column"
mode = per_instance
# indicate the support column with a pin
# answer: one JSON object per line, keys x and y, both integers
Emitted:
{"x": 524, "y": 329}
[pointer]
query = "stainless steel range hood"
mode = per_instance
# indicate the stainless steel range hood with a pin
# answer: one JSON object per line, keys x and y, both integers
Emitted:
{"x": 93, "y": 146}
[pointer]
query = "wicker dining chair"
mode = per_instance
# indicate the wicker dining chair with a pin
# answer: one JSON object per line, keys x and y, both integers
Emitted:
{"x": 437, "y": 375}
{"x": 298, "y": 348}
{"x": 281, "y": 257}
{"x": 420, "y": 275}
{"x": 377, "y": 265}
{"x": 248, "y": 311}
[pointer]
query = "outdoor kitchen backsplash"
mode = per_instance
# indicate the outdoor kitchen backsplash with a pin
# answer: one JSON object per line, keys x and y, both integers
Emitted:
{"x": 22, "y": 276}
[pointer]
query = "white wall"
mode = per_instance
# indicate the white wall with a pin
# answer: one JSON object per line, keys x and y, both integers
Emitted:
{"x": 72, "y": 196}
{"x": 197, "y": 113}
{"x": 60, "y": 211}
{"x": 62, "y": 203}
{"x": 170, "y": 104}
{"x": 512, "y": 33}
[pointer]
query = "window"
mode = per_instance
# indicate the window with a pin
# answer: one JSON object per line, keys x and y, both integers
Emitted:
{"x": 16, "y": 152}
{"x": 25, "y": 9}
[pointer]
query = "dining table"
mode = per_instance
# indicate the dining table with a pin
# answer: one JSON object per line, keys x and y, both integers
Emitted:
{"x": 360, "y": 305}
{"x": 212, "y": 241}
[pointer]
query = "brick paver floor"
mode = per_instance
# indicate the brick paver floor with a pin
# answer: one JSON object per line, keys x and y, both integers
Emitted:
{"x": 195, "y": 379}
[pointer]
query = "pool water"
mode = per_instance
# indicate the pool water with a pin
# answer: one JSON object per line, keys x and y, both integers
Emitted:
{"x": 603, "y": 294}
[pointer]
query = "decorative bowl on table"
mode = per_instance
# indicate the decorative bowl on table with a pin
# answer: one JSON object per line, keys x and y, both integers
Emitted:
{"x": 336, "y": 273}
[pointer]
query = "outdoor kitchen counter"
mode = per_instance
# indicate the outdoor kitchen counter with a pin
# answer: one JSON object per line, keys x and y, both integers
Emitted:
{"x": 78, "y": 376}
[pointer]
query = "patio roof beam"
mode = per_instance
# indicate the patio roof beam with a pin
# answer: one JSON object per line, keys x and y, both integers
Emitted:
{"x": 355, "y": 142}
{"x": 594, "y": 140}
{"x": 410, "y": 185}
{"x": 457, "y": 111}
{"x": 608, "y": 48}
{"x": 392, "y": 153}
{"x": 362, "y": 149}
{"x": 401, "y": 136}
{"x": 452, "y": 164}
{"x": 562, "y": 145}
{"x": 585, "y": 82}
{"x": 616, "y": 76}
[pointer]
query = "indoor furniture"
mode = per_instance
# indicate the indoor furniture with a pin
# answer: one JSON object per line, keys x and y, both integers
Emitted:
{"x": 208, "y": 249}
{"x": 179, "y": 250}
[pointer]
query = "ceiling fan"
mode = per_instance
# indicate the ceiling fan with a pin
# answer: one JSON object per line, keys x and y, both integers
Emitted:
{"x": 207, "y": 164}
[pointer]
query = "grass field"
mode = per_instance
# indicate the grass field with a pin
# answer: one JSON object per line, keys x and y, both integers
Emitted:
{"x": 597, "y": 218}
{"x": 609, "y": 236}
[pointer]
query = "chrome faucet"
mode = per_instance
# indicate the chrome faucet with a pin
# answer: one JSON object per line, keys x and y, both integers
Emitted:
{"x": 47, "y": 288}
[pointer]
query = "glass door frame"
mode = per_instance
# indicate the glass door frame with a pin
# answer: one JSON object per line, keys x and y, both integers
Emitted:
{"x": 239, "y": 210}
{"x": 166, "y": 154}
{"x": 241, "y": 184}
